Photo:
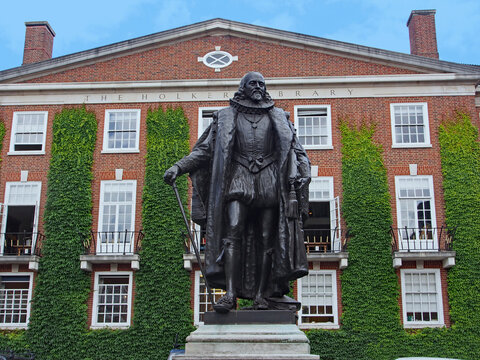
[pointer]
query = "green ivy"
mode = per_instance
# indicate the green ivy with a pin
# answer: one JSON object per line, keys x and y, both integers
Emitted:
{"x": 2, "y": 134}
{"x": 460, "y": 153}
{"x": 59, "y": 306}
{"x": 162, "y": 302}
{"x": 369, "y": 286}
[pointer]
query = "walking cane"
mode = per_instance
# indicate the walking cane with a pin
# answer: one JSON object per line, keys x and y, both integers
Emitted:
{"x": 195, "y": 248}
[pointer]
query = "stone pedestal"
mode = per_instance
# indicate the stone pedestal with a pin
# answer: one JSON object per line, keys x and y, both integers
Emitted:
{"x": 248, "y": 341}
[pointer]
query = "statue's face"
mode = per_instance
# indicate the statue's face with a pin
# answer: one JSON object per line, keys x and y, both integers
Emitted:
{"x": 255, "y": 87}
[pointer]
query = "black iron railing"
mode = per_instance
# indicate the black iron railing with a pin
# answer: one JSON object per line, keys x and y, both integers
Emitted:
{"x": 325, "y": 240}
{"x": 316, "y": 240}
{"x": 113, "y": 242}
{"x": 422, "y": 239}
{"x": 22, "y": 243}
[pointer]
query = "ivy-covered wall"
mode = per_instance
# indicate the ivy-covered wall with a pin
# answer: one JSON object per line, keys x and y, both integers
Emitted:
{"x": 59, "y": 307}
{"x": 162, "y": 302}
{"x": 371, "y": 327}
{"x": 371, "y": 324}
{"x": 460, "y": 154}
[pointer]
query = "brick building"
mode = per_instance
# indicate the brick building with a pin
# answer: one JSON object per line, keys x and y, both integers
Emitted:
{"x": 198, "y": 67}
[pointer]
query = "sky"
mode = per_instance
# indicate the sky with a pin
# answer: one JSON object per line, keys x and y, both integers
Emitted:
{"x": 87, "y": 24}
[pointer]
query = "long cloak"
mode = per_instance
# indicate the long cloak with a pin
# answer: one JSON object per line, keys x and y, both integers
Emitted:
{"x": 208, "y": 165}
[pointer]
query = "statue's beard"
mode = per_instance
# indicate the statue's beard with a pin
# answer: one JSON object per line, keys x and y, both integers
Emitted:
{"x": 256, "y": 96}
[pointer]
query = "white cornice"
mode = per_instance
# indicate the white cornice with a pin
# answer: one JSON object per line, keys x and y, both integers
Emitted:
{"x": 223, "y": 89}
{"x": 228, "y": 83}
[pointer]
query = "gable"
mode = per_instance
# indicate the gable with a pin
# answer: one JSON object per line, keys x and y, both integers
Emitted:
{"x": 180, "y": 61}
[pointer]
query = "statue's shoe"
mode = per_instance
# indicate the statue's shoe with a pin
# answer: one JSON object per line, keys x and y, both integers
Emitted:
{"x": 260, "y": 304}
{"x": 225, "y": 304}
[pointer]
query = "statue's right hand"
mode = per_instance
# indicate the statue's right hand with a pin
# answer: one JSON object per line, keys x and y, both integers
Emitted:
{"x": 171, "y": 174}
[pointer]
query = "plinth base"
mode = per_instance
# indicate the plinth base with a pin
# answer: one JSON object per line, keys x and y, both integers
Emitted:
{"x": 247, "y": 342}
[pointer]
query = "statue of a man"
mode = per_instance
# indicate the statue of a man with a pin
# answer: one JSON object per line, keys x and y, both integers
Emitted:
{"x": 250, "y": 177}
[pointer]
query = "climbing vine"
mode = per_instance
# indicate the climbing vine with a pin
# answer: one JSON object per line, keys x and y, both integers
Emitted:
{"x": 371, "y": 327}
{"x": 162, "y": 303}
{"x": 59, "y": 306}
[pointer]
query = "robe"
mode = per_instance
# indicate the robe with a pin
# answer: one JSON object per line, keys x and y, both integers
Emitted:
{"x": 208, "y": 165}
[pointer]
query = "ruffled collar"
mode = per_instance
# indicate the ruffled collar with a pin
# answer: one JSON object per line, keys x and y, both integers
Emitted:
{"x": 247, "y": 106}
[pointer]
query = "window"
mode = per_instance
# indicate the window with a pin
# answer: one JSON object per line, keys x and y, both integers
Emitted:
{"x": 19, "y": 223}
{"x": 116, "y": 216}
{"x": 318, "y": 294}
{"x": 410, "y": 125}
{"x": 112, "y": 299}
{"x": 421, "y": 297}
{"x": 15, "y": 296}
{"x": 416, "y": 213}
{"x": 314, "y": 126}
{"x": 28, "y": 133}
{"x": 322, "y": 227}
{"x": 121, "y": 132}
{"x": 202, "y": 303}
{"x": 205, "y": 118}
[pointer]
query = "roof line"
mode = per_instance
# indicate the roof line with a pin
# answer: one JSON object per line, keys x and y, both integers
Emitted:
{"x": 219, "y": 24}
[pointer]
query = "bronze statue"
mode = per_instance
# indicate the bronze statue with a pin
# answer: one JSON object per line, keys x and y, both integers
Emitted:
{"x": 250, "y": 177}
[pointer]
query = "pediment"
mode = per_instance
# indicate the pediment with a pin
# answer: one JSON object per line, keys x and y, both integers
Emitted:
{"x": 174, "y": 54}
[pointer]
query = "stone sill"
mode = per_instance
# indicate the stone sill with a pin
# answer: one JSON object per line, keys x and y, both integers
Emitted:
{"x": 447, "y": 257}
{"x": 86, "y": 261}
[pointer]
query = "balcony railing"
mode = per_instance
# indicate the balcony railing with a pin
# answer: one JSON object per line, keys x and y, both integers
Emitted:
{"x": 113, "y": 242}
{"x": 325, "y": 241}
{"x": 422, "y": 239}
{"x": 22, "y": 243}
{"x": 316, "y": 241}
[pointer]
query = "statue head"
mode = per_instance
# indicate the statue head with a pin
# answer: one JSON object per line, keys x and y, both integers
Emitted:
{"x": 252, "y": 87}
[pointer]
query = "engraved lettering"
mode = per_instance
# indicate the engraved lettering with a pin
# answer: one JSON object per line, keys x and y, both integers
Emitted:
{"x": 332, "y": 92}
{"x": 178, "y": 96}
{"x": 161, "y": 96}
{"x": 120, "y": 97}
{"x": 103, "y": 98}
{"x": 144, "y": 96}
{"x": 280, "y": 93}
{"x": 209, "y": 95}
{"x": 85, "y": 99}
{"x": 315, "y": 93}
{"x": 297, "y": 93}
{"x": 225, "y": 95}
{"x": 350, "y": 91}
{"x": 194, "y": 96}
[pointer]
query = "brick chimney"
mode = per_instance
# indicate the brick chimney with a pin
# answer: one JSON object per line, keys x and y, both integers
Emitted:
{"x": 423, "y": 36}
{"x": 38, "y": 42}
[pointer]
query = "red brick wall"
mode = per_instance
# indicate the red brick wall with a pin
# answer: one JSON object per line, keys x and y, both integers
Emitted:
{"x": 376, "y": 110}
{"x": 180, "y": 61}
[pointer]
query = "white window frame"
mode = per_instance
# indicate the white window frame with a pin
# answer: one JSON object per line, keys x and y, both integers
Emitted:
{"x": 200, "y": 117}
{"x": 434, "y": 245}
{"x": 328, "y": 108}
{"x": 30, "y": 289}
{"x": 334, "y": 208}
{"x": 12, "y": 150}
{"x": 426, "y": 120}
{"x": 217, "y": 293}
{"x": 100, "y": 246}
{"x": 329, "y": 325}
{"x": 97, "y": 325}
{"x": 7, "y": 203}
{"x": 421, "y": 324}
{"x": 105, "y": 148}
